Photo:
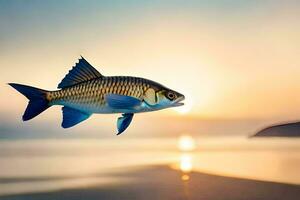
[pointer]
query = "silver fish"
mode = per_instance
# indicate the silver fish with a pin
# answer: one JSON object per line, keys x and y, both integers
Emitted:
{"x": 85, "y": 91}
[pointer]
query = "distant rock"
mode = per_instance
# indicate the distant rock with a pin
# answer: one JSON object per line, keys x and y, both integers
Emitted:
{"x": 281, "y": 130}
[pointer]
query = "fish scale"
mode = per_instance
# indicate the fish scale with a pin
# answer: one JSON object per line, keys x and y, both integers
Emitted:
{"x": 91, "y": 94}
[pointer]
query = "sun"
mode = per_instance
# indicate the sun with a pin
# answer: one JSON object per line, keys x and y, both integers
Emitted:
{"x": 186, "y": 143}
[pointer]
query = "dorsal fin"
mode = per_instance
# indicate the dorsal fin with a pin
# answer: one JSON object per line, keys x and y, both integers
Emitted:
{"x": 82, "y": 71}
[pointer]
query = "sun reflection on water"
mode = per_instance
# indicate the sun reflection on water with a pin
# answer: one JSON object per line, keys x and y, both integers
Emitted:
{"x": 186, "y": 144}
{"x": 186, "y": 166}
{"x": 185, "y": 177}
{"x": 186, "y": 163}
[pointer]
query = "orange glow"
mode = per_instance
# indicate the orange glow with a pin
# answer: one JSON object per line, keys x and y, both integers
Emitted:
{"x": 219, "y": 74}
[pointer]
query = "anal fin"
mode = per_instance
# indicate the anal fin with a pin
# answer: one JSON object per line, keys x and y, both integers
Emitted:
{"x": 71, "y": 117}
{"x": 123, "y": 122}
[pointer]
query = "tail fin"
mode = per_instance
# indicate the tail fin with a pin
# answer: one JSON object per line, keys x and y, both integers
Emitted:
{"x": 37, "y": 100}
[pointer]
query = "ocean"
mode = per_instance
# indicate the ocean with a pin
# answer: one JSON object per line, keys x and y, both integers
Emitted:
{"x": 31, "y": 166}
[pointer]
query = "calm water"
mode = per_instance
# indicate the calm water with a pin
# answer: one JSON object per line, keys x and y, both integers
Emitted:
{"x": 45, "y": 165}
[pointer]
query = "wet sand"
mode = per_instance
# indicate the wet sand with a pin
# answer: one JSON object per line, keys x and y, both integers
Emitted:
{"x": 162, "y": 182}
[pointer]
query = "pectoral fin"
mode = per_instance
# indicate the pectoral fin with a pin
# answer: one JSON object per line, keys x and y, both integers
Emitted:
{"x": 123, "y": 122}
{"x": 117, "y": 101}
{"x": 71, "y": 117}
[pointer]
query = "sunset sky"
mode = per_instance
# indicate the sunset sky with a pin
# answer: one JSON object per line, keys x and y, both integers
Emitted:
{"x": 232, "y": 59}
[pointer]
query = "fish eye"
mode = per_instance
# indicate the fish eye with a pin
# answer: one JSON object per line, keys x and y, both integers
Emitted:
{"x": 171, "y": 95}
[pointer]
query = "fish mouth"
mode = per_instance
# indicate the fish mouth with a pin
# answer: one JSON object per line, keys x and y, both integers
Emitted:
{"x": 178, "y": 102}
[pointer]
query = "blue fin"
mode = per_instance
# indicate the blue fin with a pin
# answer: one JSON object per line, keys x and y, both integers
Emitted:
{"x": 71, "y": 117}
{"x": 122, "y": 101}
{"x": 82, "y": 71}
{"x": 123, "y": 122}
{"x": 37, "y": 100}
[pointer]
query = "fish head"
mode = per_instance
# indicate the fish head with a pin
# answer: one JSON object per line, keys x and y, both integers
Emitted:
{"x": 168, "y": 98}
{"x": 159, "y": 97}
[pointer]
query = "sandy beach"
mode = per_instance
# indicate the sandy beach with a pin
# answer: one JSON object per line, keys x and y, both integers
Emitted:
{"x": 162, "y": 182}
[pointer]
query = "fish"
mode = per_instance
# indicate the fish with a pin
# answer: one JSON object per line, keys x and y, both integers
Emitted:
{"x": 85, "y": 91}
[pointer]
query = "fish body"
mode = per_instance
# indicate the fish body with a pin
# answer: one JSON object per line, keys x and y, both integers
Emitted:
{"x": 90, "y": 96}
{"x": 85, "y": 91}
